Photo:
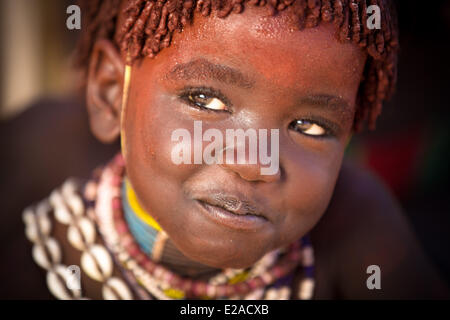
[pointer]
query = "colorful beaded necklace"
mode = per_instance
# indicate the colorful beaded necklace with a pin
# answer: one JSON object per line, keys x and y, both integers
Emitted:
{"x": 269, "y": 278}
{"x": 151, "y": 238}
{"x": 142, "y": 226}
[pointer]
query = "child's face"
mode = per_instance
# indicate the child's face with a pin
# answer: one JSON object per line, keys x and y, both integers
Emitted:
{"x": 284, "y": 75}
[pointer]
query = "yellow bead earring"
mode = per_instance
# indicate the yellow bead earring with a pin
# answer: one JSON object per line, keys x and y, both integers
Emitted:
{"x": 126, "y": 87}
{"x": 162, "y": 236}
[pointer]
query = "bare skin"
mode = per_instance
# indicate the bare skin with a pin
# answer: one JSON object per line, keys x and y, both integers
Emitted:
{"x": 286, "y": 75}
{"x": 362, "y": 226}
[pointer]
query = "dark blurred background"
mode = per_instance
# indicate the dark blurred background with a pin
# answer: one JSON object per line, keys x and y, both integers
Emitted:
{"x": 410, "y": 149}
{"x": 45, "y": 138}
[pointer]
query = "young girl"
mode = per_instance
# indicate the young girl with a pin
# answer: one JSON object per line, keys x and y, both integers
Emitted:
{"x": 148, "y": 227}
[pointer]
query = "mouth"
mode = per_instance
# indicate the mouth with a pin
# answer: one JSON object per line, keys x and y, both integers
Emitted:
{"x": 232, "y": 213}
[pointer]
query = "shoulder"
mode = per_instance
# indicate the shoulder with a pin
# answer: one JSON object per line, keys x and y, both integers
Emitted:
{"x": 364, "y": 226}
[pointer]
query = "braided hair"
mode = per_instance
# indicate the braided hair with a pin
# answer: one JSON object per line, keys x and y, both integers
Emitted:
{"x": 149, "y": 25}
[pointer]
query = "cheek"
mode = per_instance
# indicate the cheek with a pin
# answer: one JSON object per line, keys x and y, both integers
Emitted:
{"x": 309, "y": 187}
{"x": 157, "y": 181}
{"x": 148, "y": 129}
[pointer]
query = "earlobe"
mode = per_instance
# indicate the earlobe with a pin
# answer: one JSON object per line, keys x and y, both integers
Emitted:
{"x": 104, "y": 91}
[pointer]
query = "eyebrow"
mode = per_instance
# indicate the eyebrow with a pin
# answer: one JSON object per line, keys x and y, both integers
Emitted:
{"x": 329, "y": 102}
{"x": 201, "y": 69}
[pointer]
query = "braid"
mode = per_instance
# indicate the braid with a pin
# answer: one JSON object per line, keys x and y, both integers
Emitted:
{"x": 149, "y": 25}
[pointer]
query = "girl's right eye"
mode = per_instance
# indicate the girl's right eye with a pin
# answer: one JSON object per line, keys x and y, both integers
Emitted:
{"x": 315, "y": 128}
{"x": 206, "y": 99}
{"x": 309, "y": 128}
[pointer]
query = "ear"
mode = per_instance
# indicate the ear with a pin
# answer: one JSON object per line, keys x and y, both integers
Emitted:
{"x": 104, "y": 91}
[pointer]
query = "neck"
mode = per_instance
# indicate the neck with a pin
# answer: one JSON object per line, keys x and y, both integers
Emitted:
{"x": 154, "y": 241}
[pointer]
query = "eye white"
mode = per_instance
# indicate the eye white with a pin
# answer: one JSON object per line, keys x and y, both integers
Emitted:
{"x": 210, "y": 103}
{"x": 216, "y": 104}
{"x": 315, "y": 130}
{"x": 310, "y": 128}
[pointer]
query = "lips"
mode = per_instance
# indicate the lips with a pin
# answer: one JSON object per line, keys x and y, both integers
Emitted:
{"x": 234, "y": 204}
{"x": 232, "y": 211}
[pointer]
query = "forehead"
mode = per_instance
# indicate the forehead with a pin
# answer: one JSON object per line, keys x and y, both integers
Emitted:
{"x": 269, "y": 49}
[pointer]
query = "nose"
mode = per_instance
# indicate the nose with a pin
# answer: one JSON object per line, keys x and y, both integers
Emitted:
{"x": 252, "y": 172}
{"x": 254, "y": 162}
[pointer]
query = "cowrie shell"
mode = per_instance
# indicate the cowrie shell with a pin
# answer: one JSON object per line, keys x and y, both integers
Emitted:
{"x": 61, "y": 212}
{"x": 306, "y": 289}
{"x": 28, "y": 216}
{"x": 43, "y": 208}
{"x": 69, "y": 187}
{"x": 75, "y": 204}
{"x": 31, "y": 228}
{"x": 271, "y": 294}
{"x": 31, "y": 232}
{"x": 284, "y": 293}
{"x": 73, "y": 200}
{"x": 63, "y": 215}
{"x": 37, "y": 225}
{"x": 116, "y": 289}
{"x": 56, "y": 199}
{"x": 97, "y": 263}
{"x": 46, "y": 258}
{"x": 57, "y": 280}
{"x": 43, "y": 222}
{"x": 81, "y": 233}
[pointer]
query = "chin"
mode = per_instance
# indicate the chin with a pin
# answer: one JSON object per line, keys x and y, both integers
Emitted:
{"x": 236, "y": 257}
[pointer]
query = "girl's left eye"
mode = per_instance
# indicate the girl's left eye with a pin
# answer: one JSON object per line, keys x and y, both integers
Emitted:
{"x": 309, "y": 128}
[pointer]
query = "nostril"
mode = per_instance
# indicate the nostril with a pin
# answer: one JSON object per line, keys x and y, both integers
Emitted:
{"x": 252, "y": 173}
